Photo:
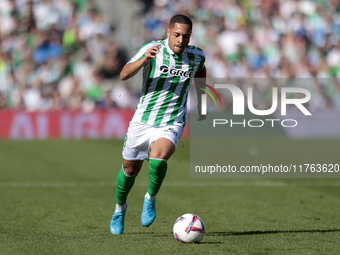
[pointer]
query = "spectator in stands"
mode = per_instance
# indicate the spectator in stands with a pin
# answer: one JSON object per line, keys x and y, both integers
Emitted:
{"x": 60, "y": 53}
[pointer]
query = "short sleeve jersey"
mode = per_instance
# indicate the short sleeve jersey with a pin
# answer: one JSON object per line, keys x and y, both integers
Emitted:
{"x": 166, "y": 83}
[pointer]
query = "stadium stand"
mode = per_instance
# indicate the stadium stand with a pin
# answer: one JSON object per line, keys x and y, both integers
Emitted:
{"x": 68, "y": 54}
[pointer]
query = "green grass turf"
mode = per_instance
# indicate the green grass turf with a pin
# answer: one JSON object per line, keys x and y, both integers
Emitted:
{"x": 57, "y": 197}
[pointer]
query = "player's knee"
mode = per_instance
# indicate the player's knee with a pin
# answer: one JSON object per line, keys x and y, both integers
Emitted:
{"x": 130, "y": 170}
{"x": 161, "y": 154}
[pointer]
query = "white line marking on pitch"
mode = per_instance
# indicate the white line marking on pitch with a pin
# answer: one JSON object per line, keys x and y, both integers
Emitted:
{"x": 169, "y": 184}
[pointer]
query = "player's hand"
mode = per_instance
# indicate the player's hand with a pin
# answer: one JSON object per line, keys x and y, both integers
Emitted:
{"x": 151, "y": 53}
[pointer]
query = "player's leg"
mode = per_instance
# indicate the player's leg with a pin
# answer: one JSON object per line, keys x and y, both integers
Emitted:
{"x": 161, "y": 151}
{"x": 125, "y": 180}
{"x": 135, "y": 151}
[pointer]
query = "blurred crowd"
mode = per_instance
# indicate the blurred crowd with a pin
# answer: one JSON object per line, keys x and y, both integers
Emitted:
{"x": 256, "y": 39}
{"x": 57, "y": 54}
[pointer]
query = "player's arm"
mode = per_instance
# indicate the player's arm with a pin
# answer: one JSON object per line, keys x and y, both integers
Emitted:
{"x": 200, "y": 80}
{"x": 131, "y": 69}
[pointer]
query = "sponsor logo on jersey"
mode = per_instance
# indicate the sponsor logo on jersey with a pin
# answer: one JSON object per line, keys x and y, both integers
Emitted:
{"x": 176, "y": 72}
{"x": 164, "y": 69}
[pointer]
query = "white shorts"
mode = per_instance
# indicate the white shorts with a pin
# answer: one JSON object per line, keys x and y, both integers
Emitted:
{"x": 139, "y": 137}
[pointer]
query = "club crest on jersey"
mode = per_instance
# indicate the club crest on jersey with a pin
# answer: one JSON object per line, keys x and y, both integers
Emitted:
{"x": 175, "y": 72}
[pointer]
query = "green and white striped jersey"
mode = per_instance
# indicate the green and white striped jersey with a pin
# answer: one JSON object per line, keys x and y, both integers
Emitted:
{"x": 166, "y": 83}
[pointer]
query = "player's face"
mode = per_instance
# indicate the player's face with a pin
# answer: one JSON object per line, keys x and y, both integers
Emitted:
{"x": 179, "y": 37}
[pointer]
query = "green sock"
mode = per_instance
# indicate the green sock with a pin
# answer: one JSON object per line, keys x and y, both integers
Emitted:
{"x": 157, "y": 172}
{"x": 124, "y": 185}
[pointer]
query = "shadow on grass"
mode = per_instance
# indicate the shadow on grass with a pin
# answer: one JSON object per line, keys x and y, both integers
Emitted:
{"x": 154, "y": 234}
{"x": 171, "y": 234}
{"x": 214, "y": 243}
{"x": 270, "y": 232}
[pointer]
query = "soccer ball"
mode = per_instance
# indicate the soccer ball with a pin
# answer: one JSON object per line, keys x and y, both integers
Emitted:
{"x": 189, "y": 228}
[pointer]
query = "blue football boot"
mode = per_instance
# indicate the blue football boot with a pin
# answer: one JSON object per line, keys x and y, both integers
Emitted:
{"x": 117, "y": 223}
{"x": 149, "y": 212}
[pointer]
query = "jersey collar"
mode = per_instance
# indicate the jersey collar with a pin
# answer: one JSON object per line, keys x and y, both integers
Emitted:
{"x": 170, "y": 50}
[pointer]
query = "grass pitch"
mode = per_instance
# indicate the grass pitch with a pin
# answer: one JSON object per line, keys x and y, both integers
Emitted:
{"x": 57, "y": 197}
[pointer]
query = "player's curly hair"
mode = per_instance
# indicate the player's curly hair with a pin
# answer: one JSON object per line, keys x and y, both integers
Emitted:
{"x": 181, "y": 19}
